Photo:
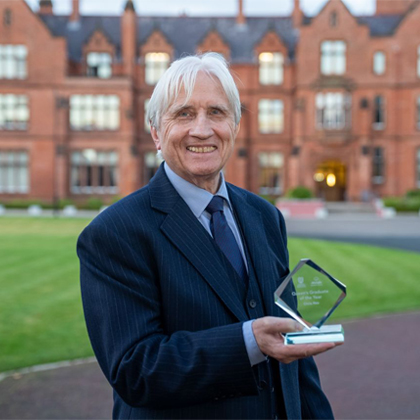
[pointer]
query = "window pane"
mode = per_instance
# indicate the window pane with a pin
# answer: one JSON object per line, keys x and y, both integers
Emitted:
{"x": 94, "y": 171}
{"x": 271, "y": 173}
{"x": 333, "y": 57}
{"x": 271, "y": 68}
{"x": 270, "y": 116}
{"x": 13, "y": 61}
{"x": 156, "y": 65}
{"x": 14, "y": 174}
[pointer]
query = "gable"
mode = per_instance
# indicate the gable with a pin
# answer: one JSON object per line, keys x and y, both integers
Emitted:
{"x": 215, "y": 43}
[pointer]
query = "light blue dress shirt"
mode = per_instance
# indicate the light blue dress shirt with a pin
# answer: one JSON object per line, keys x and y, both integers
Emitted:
{"x": 197, "y": 200}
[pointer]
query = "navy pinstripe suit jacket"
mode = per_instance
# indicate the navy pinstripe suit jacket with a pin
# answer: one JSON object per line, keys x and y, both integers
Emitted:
{"x": 164, "y": 320}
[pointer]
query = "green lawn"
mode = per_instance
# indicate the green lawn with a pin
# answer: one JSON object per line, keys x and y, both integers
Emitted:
{"x": 41, "y": 317}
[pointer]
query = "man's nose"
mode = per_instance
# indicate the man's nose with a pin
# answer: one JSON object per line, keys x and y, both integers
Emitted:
{"x": 201, "y": 127}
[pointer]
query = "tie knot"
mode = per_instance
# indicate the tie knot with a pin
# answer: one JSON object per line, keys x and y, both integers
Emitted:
{"x": 215, "y": 205}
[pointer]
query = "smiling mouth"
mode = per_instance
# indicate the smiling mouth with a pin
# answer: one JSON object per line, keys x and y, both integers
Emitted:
{"x": 201, "y": 149}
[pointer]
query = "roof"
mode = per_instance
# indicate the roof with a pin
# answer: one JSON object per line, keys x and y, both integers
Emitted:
{"x": 185, "y": 33}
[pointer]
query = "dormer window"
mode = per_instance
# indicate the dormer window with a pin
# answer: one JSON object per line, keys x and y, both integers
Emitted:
{"x": 99, "y": 65}
{"x": 333, "y": 58}
{"x": 156, "y": 64}
{"x": 271, "y": 68}
{"x": 13, "y": 61}
{"x": 379, "y": 63}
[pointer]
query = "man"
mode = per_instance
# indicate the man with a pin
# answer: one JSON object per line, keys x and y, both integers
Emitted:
{"x": 178, "y": 278}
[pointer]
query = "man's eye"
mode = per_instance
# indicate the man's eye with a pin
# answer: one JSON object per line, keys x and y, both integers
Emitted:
{"x": 184, "y": 114}
{"x": 216, "y": 111}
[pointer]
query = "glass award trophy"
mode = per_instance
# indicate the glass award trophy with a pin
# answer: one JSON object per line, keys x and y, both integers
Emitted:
{"x": 318, "y": 294}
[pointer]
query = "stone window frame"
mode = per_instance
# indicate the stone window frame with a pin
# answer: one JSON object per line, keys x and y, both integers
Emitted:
{"x": 14, "y": 172}
{"x": 267, "y": 70}
{"x": 333, "y": 57}
{"x": 14, "y": 112}
{"x": 379, "y": 112}
{"x": 154, "y": 68}
{"x": 271, "y": 172}
{"x": 101, "y": 66}
{"x": 99, "y": 112}
{"x": 378, "y": 165}
{"x": 333, "y": 110}
{"x": 268, "y": 109}
{"x": 94, "y": 171}
{"x": 379, "y": 63}
{"x": 13, "y": 61}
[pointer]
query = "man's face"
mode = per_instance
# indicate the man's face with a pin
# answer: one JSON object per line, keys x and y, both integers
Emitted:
{"x": 197, "y": 137}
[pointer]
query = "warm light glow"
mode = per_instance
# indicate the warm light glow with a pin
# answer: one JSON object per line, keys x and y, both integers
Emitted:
{"x": 319, "y": 177}
{"x": 266, "y": 56}
{"x": 331, "y": 180}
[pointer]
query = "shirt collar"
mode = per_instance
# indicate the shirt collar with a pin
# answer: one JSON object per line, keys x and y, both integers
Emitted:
{"x": 196, "y": 198}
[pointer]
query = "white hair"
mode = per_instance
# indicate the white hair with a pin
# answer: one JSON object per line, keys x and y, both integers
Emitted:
{"x": 182, "y": 74}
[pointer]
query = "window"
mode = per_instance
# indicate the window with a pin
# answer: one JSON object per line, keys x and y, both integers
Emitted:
{"x": 146, "y": 121}
{"x": 156, "y": 65}
{"x": 379, "y": 63}
{"x": 378, "y": 113}
{"x": 333, "y": 19}
{"x": 7, "y": 17}
{"x": 13, "y": 61}
{"x": 14, "y": 174}
{"x": 271, "y": 68}
{"x": 418, "y": 168}
{"x": 333, "y": 57}
{"x": 333, "y": 111}
{"x": 151, "y": 164}
{"x": 94, "y": 112}
{"x": 270, "y": 116}
{"x": 94, "y": 171}
{"x": 378, "y": 165}
{"x": 271, "y": 167}
{"x": 14, "y": 112}
{"x": 99, "y": 65}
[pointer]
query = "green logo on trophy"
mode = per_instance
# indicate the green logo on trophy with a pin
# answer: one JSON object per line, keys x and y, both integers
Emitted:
{"x": 317, "y": 294}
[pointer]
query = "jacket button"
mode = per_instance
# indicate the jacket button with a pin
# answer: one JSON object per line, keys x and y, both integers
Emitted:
{"x": 263, "y": 384}
{"x": 252, "y": 303}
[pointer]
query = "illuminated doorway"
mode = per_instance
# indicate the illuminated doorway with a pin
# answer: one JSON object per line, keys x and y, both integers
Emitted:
{"x": 330, "y": 181}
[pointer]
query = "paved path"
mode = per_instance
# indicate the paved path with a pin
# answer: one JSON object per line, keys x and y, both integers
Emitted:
{"x": 401, "y": 232}
{"x": 375, "y": 375}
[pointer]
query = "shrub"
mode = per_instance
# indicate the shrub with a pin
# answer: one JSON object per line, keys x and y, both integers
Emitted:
{"x": 93, "y": 203}
{"x": 23, "y": 204}
{"x": 413, "y": 194}
{"x": 403, "y": 204}
{"x": 300, "y": 193}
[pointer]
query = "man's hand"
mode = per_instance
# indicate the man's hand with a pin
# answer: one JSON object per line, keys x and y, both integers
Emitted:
{"x": 268, "y": 334}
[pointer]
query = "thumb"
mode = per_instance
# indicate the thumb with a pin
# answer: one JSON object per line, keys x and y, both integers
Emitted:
{"x": 271, "y": 324}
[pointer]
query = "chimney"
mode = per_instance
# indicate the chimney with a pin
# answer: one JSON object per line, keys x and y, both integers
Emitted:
{"x": 75, "y": 15}
{"x": 129, "y": 37}
{"x": 45, "y": 7}
{"x": 240, "y": 18}
{"x": 297, "y": 14}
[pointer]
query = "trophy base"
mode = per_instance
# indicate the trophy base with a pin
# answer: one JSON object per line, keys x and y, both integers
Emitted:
{"x": 325, "y": 334}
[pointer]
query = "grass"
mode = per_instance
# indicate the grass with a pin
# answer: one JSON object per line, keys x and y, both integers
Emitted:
{"x": 41, "y": 318}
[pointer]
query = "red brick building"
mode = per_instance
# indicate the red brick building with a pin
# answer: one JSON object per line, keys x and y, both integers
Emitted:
{"x": 332, "y": 99}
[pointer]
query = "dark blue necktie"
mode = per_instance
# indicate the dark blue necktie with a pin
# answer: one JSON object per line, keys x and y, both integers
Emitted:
{"x": 224, "y": 237}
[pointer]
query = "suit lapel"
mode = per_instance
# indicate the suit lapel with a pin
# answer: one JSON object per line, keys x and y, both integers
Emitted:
{"x": 183, "y": 229}
{"x": 256, "y": 240}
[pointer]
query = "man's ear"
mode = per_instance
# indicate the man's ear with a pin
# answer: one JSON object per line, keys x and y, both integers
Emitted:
{"x": 155, "y": 137}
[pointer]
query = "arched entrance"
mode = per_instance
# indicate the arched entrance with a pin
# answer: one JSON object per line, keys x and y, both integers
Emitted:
{"x": 330, "y": 181}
